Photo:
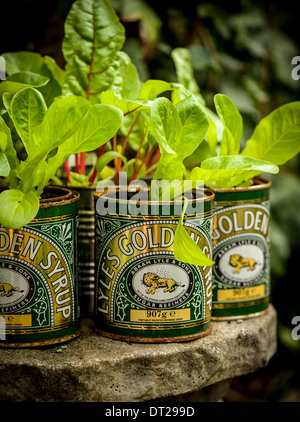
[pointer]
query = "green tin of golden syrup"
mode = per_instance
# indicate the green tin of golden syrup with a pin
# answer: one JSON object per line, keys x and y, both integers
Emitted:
{"x": 38, "y": 275}
{"x": 241, "y": 273}
{"x": 142, "y": 294}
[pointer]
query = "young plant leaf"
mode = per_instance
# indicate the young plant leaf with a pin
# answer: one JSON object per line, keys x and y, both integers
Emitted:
{"x": 17, "y": 208}
{"x": 126, "y": 106}
{"x": 97, "y": 127}
{"x": 4, "y": 165}
{"x": 93, "y": 38}
{"x": 184, "y": 71}
{"x": 61, "y": 120}
{"x": 185, "y": 249}
{"x": 165, "y": 124}
{"x": 194, "y": 123}
{"x": 127, "y": 81}
{"x": 20, "y": 80}
{"x": 152, "y": 88}
{"x": 212, "y": 138}
{"x": 276, "y": 137}
{"x": 233, "y": 124}
{"x": 179, "y": 130}
{"x": 229, "y": 171}
{"x": 107, "y": 157}
{"x": 27, "y": 111}
{"x": 170, "y": 167}
{"x": 7, "y": 147}
{"x": 27, "y": 61}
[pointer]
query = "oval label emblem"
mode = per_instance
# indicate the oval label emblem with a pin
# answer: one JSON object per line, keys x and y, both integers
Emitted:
{"x": 159, "y": 283}
{"x": 16, "y": 287}
{"x": 240, "y": 263}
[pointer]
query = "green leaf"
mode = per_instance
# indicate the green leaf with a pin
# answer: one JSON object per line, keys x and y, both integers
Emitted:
{"x": 127, "y": 81}
{"x": 184, "y": 71}
{"x": 7, "y": 99}
{"x": 276, "y": 137}
{"x": 126, "y": 106}
{"x": 46, "y": 66}
{"x": 152, "y": 88}
{"x": 194, "y": 123}
{"x": 185, "y": 249}
{"x": 3, "y": 141}
{"x": 165, "y": 123}
{"x": 4, "y": 165}
{"x": 97, "y": 127}
{"x": 21, "y": 61}
{"x": 60, "y": 122}
{"x": 170, "y": 167}
{"x": 107, "y": 157}
{"x": 212, "y": 137}
{"x": 17, "y": 208}
{"x": 27, "y": 112}
{"x": 93, "y": 38}
{"x": 233, "y": 124}
{"x": 229, "y": 171}
{"x": 22, "y": 80}
{"x": 7, "y": 147}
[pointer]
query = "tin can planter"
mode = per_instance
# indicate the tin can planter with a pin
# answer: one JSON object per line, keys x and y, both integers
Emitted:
{"x": 38, "y": 275}
{"x": 241, "y": 251}
{"x": 142, "y": 294}
{"x": 86, "y": 250}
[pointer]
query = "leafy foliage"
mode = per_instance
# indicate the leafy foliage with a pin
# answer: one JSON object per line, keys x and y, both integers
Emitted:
{"x": 49, "y": 135}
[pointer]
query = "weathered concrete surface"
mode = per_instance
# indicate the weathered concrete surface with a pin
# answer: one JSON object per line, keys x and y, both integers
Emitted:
{"x": 94, "y": 368}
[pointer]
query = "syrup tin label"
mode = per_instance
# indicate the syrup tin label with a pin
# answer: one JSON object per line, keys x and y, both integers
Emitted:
{"x": 142, "y": 292}
{"x": 38, "y": 280}
{"x": 241, "y": 273}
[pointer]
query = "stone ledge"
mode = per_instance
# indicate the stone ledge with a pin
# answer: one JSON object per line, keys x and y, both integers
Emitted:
{"x": 99, "y": 369}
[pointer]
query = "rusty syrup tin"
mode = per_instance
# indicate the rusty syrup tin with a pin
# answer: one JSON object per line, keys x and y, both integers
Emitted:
{"x": 38, "y": 275}
{"x": 142, "y": 294}
{"x": 241, "y": 251}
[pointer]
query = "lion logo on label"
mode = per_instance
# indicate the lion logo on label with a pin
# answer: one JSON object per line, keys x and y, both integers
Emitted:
{"x": 239, "y": 262}
{"x": 154, "y": 282}
{"x": 7, "y": 289}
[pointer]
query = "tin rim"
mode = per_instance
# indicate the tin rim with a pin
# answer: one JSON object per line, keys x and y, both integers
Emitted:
{"x": 60, "y": 196}
{"x": 208, "y": 196}
{"x": 259, "y": 183}
{"x": 173, "y": 339}
{"x": 44, "y": 343}
{"x": 240, "y": 317}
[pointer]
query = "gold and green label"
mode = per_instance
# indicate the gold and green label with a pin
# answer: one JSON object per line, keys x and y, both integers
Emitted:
{"x": 38, "y": 280}
{"x": 241, "y": 273}
{"x": 141, "y": 291}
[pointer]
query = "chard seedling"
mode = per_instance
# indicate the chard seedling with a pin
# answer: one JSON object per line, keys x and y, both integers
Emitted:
{"x": 49, "y": 135}
{"x": 274, "y": 141}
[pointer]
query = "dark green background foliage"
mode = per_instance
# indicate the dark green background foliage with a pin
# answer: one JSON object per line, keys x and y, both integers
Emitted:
{"x": 241, "y": 49}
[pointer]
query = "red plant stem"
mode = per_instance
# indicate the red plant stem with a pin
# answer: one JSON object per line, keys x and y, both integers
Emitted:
{"x": 155, "y": 158}
{"x": 82, "y": 163}
{"x": 68, "y": 171}
{"x": 145, "y": 162}
{"x": 100, "y": 153}
{"x": 134, "y": 174}
{"x": 128, "y": 134}
{"x": 77, "y": 163}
